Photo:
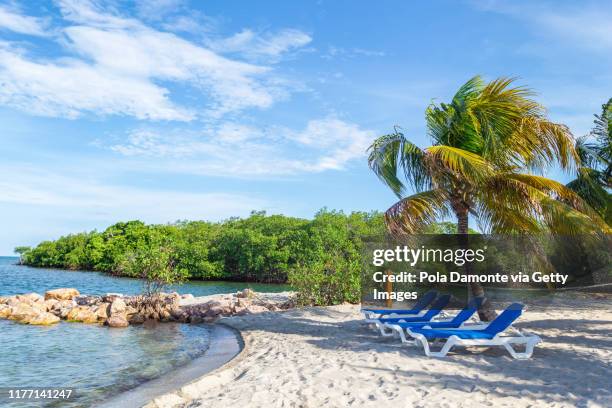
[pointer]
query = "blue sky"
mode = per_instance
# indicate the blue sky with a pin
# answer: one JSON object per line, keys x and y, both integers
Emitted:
{"x": 169, "y": 109}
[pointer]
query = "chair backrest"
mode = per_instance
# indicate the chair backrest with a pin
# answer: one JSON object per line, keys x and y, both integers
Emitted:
{"x": 505, "y": 319}
{"x": 425, "y": 300}
{"x": 467, "y": 312}
{"x": 437, "y": 306}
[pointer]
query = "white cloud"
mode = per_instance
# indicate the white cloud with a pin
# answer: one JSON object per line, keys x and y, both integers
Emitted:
{"x": 254, "y": 45}
{"x": 91, "y": 199}
{"x": 334, "y": 52}
{"x": 157, "y": 9}
{"x": 72, "y": 87}
{"x": 118, "y": 64}
{"x": 14, "y": 21}
{"x": 236, "y": 150}
{"x": 586, "y": 26}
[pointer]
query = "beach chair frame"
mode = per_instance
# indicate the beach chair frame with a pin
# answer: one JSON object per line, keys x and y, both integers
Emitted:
{"x": 529, "y": 341}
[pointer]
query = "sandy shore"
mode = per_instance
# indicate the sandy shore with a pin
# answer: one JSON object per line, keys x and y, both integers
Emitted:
{"x": 317, "y": 357}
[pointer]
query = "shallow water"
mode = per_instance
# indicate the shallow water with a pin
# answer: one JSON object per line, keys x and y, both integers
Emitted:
{"x": 22, "y": 279}
{"x": 97, "y": 361}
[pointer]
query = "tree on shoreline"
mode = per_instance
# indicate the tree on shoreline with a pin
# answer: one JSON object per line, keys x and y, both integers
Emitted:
{"x": 21, "y": 250}
{"x": 486, "y": 143}
{"x": 594, "y": 175}
{"x": 156, "y": 265}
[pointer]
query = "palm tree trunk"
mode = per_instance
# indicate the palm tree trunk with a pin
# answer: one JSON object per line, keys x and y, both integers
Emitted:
{"x": 486, "y": 312}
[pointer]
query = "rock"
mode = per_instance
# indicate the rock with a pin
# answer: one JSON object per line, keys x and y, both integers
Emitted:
{"x": 195, "y": 319}
{"x": 211, "y": 303}
{"x": 42, "y": 319}
{"x": 288, "y": 304}
{"x": 29, "y": 297}
{"x": 118, "y": 306}
{"x": 62, "y": 307}
{"x": 4, "y": 299}
{"x": 103, "y": 311}
{"x": 62, "y": 313}
{"x": 5, "y": 311}
{"x": 136, "y": 318}
{"x": 25, "y": 313}
{"x": 130, "y": 310}
{"x": 246, "y": 293}
{"x": 256, "y": 309}
{"x": 214, "y": 311}
{"x": 117, "y": 321}
{"x": 82, "y": 314}
{"x": 39, "y": 306}
{"x": 179, "y": 315}
{"x": 62, "y": 304}
{"x": 12, "y": 301}
{"x": 87, "y": 300}
{"x": 187, "y": 296}
{"x": 240, "y": 310}
{"x": 110, "y": 297}
{"x": 50, "y": 303}
{"x": 62, "y": 294}
{"x": 22, "y": 311}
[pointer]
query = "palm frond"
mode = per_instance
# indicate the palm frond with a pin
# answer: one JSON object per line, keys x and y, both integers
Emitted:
{"x": 505, "y": 198}
{"x": 539, "y": 142}
{"x": 465, "y": 165}
{"x": 391, "y": 153}
{"x": 412, "y": 213}
{"x": 587, "y": 186}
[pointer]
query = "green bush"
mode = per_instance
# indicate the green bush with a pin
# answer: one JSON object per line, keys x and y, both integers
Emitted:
{"x": 261, "y": 248}
{"x": 156, "y": 265}
{"x": 330, "y": 281}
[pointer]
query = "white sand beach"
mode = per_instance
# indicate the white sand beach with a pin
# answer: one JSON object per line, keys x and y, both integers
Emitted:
{"x": 327, "y": 357}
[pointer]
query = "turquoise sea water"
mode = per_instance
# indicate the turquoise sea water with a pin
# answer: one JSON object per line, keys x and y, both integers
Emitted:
{"x": 22, "y": 279}
{"x": 96, "y": 361}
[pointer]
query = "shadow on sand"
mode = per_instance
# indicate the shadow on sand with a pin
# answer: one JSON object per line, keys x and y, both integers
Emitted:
{"x": 563, "y": 369}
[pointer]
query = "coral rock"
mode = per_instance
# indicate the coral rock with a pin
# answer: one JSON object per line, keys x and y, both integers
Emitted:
{"x": 117, "y": 321}
{"x": 118, "y": 306}
{"x": 136, "y": 318}
{"x": 22, "y": 311}
{"x": 29, "y": 297}
{"x": 5, "y": 311}
{"x": 62, "y": 294}
{"x": 82, "y": 314}
{"x": 42, "y": 319}
{"x": 103, "y": 311}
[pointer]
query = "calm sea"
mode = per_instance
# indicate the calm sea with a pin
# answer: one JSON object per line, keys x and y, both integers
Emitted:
{"x": 96, "y": 361}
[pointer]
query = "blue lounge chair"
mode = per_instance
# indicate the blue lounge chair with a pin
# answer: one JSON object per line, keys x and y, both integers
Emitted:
{"x": 436, "y": 309}
{"x": 456, "y": 322}
{"x": 485, "y": 335}
{"x": 372, "y": 315}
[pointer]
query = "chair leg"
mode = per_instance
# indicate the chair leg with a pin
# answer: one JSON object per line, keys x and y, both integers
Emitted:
{"x": 383, "y": 332}
{"x": 411, "y": 342}
{"x": 442, "y": 352}
{"x": 445, "y": 349}
{"x": 529, "y": 346}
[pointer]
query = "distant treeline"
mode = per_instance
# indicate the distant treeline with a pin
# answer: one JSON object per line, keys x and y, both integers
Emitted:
{"x": 263, "y": 248}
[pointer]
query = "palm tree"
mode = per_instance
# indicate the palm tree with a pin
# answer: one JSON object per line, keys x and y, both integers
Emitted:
{"x": 483, "y": 141}
{"x": 594, "y": 176}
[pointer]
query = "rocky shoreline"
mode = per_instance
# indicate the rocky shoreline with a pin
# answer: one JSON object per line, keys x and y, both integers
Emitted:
{"x": 116, "y": 310}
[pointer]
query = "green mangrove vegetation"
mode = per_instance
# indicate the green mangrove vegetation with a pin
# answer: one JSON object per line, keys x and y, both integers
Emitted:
{"x": 261, "y": 247}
